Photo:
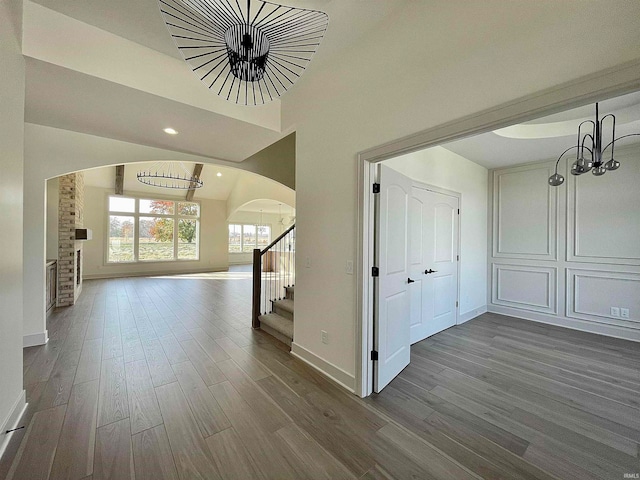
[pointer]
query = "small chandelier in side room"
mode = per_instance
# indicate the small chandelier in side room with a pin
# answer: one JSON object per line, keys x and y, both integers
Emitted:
{"x": 591, "y": 153}
{"x": 249, "y": 54}
{"x": 169, "y": 175}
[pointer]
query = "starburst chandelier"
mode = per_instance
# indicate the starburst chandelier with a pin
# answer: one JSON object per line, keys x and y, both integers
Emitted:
{"x": 246, "y": 55}
{"x": 591, "y": 153}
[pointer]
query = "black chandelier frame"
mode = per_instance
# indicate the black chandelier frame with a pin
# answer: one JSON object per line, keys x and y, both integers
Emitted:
{"x": 594, "y": 161}
{"x": 247, "y": 56}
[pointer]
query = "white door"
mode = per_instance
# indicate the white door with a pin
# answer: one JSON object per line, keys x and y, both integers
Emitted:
{"x": 433, "y": 262}
{"x": 391, "y": 335}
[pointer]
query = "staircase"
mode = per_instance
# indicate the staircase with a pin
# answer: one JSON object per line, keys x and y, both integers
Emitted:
{"x": 273, "y": 287}
{"x": 279, "y": 323}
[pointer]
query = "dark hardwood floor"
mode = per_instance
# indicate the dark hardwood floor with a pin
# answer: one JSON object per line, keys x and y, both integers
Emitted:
{"x": 163, "y": 377}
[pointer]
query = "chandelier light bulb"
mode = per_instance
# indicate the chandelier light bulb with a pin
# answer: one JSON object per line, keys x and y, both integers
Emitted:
{"x": 599, "y": 171}
{"x": 556, "y": 180}
{"x": 612, "y": 165}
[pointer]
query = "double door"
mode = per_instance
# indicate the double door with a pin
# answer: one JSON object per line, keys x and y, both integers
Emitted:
{"x": 417, "y": 253}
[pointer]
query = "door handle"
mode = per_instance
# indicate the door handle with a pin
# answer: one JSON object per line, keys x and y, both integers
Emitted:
{"x": 427, "y": 272}
{"x": 410, "y": 281}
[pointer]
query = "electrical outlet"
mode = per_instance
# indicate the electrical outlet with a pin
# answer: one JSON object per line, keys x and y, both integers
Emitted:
{"x": 349, "y": 267}
{"x": 325, "y": 336}
{"x": 307, "y": 262}
{"x": 615, "y": 311}
{"x": 624, "y": 312}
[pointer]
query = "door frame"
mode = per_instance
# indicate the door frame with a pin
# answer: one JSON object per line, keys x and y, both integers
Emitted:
{"x": 458, "y": 195}
{"x": 612, "y": 82}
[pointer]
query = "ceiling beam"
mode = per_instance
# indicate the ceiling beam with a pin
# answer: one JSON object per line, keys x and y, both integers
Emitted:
{"x": 197, "y": 170}
{"x": 119, "y": 179}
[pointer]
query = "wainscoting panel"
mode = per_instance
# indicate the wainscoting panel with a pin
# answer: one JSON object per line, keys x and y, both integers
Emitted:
{"x": 524, "y": 286}
{"x": 602, "y": 227}
{"x": 592, "y": 293}
{"x": 524, "y": 213}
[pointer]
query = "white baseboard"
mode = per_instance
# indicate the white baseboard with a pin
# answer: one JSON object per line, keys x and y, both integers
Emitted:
{"x": 99, "y": 276}
{"x": 34, "y": 339}
{"x": 471, "y": 314}
{"x": 616, "y": 331}
{"x": 336, "y": 374}
{"x": 12, "y": 420}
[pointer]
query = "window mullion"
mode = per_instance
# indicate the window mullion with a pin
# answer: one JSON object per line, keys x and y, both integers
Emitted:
{"x": 136, "y": 231}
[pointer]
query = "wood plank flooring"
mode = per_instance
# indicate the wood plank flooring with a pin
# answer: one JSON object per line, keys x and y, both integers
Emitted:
{"x": 163, "y": 378}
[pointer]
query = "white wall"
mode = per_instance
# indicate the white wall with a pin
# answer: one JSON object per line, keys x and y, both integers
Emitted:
{"x": 271, "y": 219}
{"x": 213, "y": 240}
{"x": 12, "y": 90}
{"x": 441, "y": 168}
{"x": 52, "y": 219}
{"x": 566, "y": 255}
{"x": 442, "y": 62}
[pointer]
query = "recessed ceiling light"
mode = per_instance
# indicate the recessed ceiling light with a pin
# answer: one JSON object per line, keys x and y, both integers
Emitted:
{"x": 170, "y": 131}
{"x": 218, "y": 174}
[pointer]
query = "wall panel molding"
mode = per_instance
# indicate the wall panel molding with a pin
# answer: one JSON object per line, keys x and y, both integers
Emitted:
{"x": 618, "y": 289}
{"x": 524, "y": 286}
{"x": 505, "y": 245}
{"x": 618, "y": 217}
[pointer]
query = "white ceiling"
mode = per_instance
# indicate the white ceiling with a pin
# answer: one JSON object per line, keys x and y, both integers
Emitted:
{"x": 95, "y": 83}
{"x": 547, "y": 137}
{"x": 268, "y": 207}
{"x": 140, "y": 20}
{"x": 214, "y": 187}
{"x": 63, "y": 98}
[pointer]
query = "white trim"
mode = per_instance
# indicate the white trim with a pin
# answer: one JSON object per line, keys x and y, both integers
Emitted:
{"x": 163, "y": 273}
{"x": 572, "y": 323}
{"x": 342, "y": 378}
{"x": 552, "y": 213}
{"x": 618, "y": 80}
{"x": 12, "y": 420}
{"x": 34, "y": 339}
{"x": 471, "y": 314}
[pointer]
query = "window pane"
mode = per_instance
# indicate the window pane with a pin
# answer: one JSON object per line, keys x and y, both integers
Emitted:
{"x": 120, "y": 248}
{"x": 187, "y": 239}
{"x": 121, "y": 204}
{"x": 163, "y": 207}
{"x": 235, "y": 233}
{"x": 156, "y": 239}
{"x": 248, "y": 238}
{"x": 186, "y": 208}
{"x": 264, "y": 236}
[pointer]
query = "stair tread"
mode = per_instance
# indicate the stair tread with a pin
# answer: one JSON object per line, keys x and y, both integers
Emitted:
{"x": 278, "y": 323}
{"x": 285, "y": 304}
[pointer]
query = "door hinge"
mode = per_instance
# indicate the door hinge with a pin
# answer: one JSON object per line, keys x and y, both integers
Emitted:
{"x": 457, "y": 258}
{"x": 456, "y": 304}
{"x": 376, "y": 188}
{"x": 458, "y": 211}
{"x": 375, "y": 271}
{"x": 374, "y": 355}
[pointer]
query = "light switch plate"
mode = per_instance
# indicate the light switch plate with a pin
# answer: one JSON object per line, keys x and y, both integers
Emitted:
{"x": 615, "y": 311}
{"x": 349, "y": 267}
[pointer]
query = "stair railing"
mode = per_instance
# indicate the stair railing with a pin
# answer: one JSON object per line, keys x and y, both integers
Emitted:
{"x": 274, "y": 268}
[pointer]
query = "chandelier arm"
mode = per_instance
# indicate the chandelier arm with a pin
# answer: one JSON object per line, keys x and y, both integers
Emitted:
{"x": 613, "y": 133}
{"x": 619, "y": 138}
{"x": 562, "y": 155}
{"x": 579, "y": 136}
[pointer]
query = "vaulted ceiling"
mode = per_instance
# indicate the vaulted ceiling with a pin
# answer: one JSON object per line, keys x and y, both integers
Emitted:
{"x": 116, "y": 73}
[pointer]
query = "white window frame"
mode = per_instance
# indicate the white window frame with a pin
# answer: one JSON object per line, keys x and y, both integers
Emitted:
{"x": 242, "y": 225}
{"x": 136, "y": 227}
